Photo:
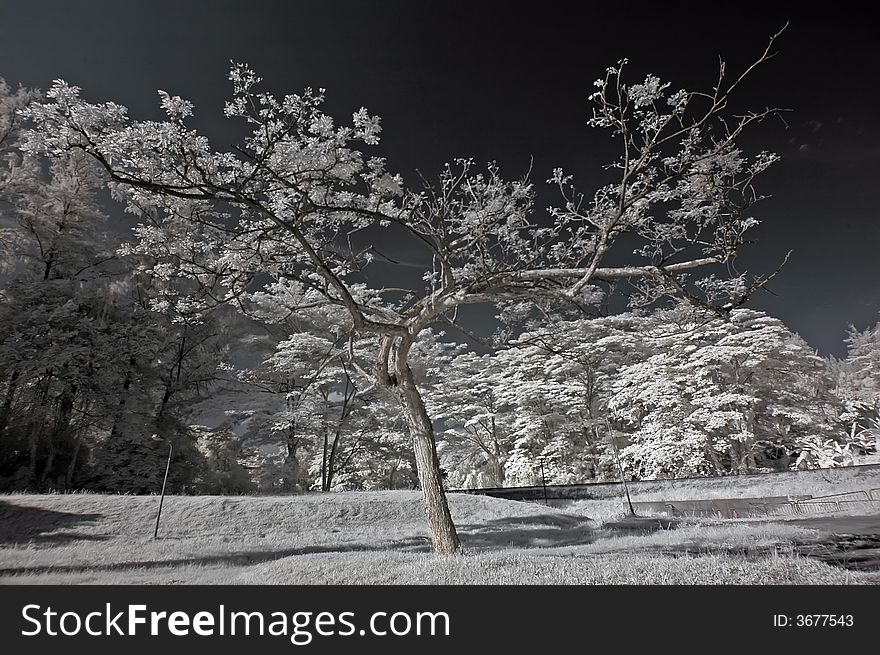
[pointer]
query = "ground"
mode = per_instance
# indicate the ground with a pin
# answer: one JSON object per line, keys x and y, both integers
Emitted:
{"x": 381, "y": 538}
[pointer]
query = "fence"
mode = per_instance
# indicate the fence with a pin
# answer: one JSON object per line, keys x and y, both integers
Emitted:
{"x": 789, "y": 483}
{"x": 849, "y": 502}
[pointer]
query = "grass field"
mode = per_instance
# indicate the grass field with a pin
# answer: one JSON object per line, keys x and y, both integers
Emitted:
{"x": 381, "y": 538}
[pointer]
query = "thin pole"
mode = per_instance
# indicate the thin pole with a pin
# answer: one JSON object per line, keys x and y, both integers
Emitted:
{"x": 543, "y": 481}
{"x": 632, "y": 511}
{"x": 162, "y": 496}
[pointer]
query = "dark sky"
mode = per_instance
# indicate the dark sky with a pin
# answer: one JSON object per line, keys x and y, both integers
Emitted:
{"x": 508, "y": 81}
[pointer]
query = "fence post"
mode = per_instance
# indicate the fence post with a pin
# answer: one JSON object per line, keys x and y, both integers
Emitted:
{"x": 162, "y": 496}
{"x": 632, "y": 510}
{"x": 543, "y": 480}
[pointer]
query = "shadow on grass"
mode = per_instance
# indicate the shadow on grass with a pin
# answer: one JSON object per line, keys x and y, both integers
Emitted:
{"x": 526, "y": 532}
{"x": 640, "y": 525}
{"x": 22, "y": 524}
{"x": 539, "y": 531}
{"x": 241, "y": 558}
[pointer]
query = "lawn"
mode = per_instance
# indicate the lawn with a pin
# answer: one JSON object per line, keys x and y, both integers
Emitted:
{"x": 381, "y": 538}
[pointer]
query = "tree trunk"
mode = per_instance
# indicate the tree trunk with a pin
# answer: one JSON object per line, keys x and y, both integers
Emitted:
{"x": 60, "y": 429}
{"x": 391, "y": 474}
{"x": 50, "y": 462}
{"x": 712, "y": 454}
{"x": 33, "y": 442}
{"x": 331, "y": 461}
{"x": 166, "y": 396}
{"x": 325, "y": 485}
{"x": 443, "y": 535}
{"x": 496, "y": 463}
{"x": 172, "y": 385}
{"x": 11, "y": 388}
{"x": 591, "y": 450}
{"x": 123, "y": 399}
{"x": 291, "y": 463}
{"x": 71, "y": 469}
{"x": 35, "y": 429}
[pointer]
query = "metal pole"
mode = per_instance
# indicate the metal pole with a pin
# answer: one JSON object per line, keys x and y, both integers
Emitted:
{"x": 162, "y": 496}
{"x": 632, "y": 511}
{"x": 543, "y": 481}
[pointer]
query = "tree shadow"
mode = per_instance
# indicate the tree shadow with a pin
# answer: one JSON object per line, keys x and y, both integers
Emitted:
{"x": 238, "y": 558}
{"x": 539, "y": 531}
{"x": 640, "y": 525}
{"x": 23, "y": 524}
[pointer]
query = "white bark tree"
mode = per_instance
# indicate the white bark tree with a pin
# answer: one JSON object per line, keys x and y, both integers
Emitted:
{"x": 299, "y": 200}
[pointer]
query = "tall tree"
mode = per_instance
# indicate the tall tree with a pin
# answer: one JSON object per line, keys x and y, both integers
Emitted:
{"x": 858, "y": 386}
{"x": 718, "y": 397}
{"x": 298, "y": 199}
{"x": 59, "y": 306}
